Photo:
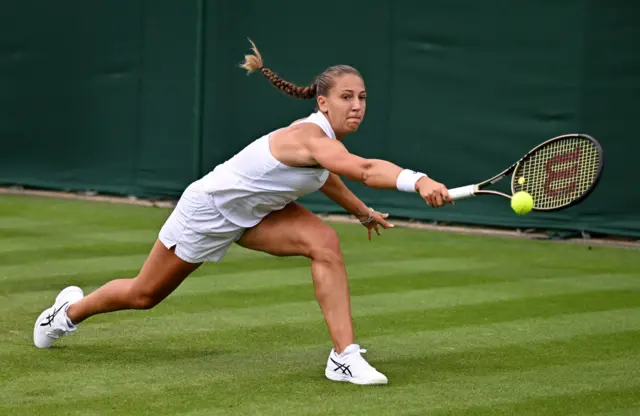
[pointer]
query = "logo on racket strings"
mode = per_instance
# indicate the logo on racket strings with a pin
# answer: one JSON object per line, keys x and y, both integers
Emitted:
{"x": 568, "y": 172}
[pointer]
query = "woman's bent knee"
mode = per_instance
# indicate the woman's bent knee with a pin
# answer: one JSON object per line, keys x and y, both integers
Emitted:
{"x": 325, "y": 246}
{"x": 140, "y": 298}
{"x": 143, "y": 301}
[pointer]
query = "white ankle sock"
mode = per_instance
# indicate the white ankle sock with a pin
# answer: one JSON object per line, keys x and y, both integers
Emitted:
{"x": 66, "y": 318}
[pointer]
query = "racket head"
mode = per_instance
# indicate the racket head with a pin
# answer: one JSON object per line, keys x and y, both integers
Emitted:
{"x": 560, "y": 172}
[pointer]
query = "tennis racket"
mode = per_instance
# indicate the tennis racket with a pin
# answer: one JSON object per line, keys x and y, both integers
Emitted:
{"x": 558, "y": 173}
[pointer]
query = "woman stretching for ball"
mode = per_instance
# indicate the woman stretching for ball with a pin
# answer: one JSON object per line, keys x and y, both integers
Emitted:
{"x": 250, "y": 200}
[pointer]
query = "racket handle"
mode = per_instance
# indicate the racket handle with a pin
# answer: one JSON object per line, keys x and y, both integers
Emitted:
{"x": 463, "y": 192}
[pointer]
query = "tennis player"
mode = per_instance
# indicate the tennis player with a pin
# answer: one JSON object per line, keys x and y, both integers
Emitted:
{"x": 251, "y": 200}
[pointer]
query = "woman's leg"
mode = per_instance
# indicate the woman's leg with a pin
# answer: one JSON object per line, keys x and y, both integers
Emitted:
{"x": 295, "y": 231}
{"x": 160, "y": 275}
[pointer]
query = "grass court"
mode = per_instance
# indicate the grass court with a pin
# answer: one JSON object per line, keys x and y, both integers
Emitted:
{"x": 461, "y": 324}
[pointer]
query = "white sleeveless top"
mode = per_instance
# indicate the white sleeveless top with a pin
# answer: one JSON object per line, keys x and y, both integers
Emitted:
{"x": 253, "y": 183}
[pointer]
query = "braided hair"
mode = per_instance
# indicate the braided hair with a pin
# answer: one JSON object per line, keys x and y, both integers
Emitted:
{"x": 321, "y": 86}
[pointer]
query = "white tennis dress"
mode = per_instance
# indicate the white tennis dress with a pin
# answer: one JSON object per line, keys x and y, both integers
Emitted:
{"x": 214, "y": 211}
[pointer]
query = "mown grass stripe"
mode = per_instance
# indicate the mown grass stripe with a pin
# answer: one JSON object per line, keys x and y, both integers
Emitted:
{"x": 443, "y": 392}
{"x": 413, "y": 289}
{"x": 511, "y": 332}
{"x": 587, "y": 402}
{"x": 79, "y": 252}
{"x": 21, "y": 246}
{"x": 20, "y": 223}
{"x": 449, "y": 337}
{"x": 268, "y": 279}
{"x": 405, "y": 343}
{"x": 53, "y": 268}
{"x": 611, "y": 403}
{"x": 270, "y": 336}
{"x": 40, "y": 265}
{"x": 282, "y": 310}
{"x": 266, "y": 331}
{"x": 557, "y": 385}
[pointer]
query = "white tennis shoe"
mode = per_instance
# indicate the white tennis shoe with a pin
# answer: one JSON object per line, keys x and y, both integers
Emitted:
{"x": 350, "y": 366}
{"x": 53, "y": 322}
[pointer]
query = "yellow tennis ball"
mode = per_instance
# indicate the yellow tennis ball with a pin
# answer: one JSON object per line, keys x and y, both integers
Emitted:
{"x": 521, "y": 203}
{"x": 522, "y": 180}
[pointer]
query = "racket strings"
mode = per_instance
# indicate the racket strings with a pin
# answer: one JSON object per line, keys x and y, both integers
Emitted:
{"x": 559, "y": 172}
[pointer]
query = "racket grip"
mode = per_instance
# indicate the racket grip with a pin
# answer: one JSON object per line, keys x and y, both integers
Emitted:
{"x": 463, "y": 192}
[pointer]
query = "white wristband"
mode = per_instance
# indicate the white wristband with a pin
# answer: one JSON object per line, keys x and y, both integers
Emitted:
{"x": 407, "y": 179}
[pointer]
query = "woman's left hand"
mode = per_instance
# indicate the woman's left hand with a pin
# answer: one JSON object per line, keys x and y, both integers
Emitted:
{"x": 373, "y": 220}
